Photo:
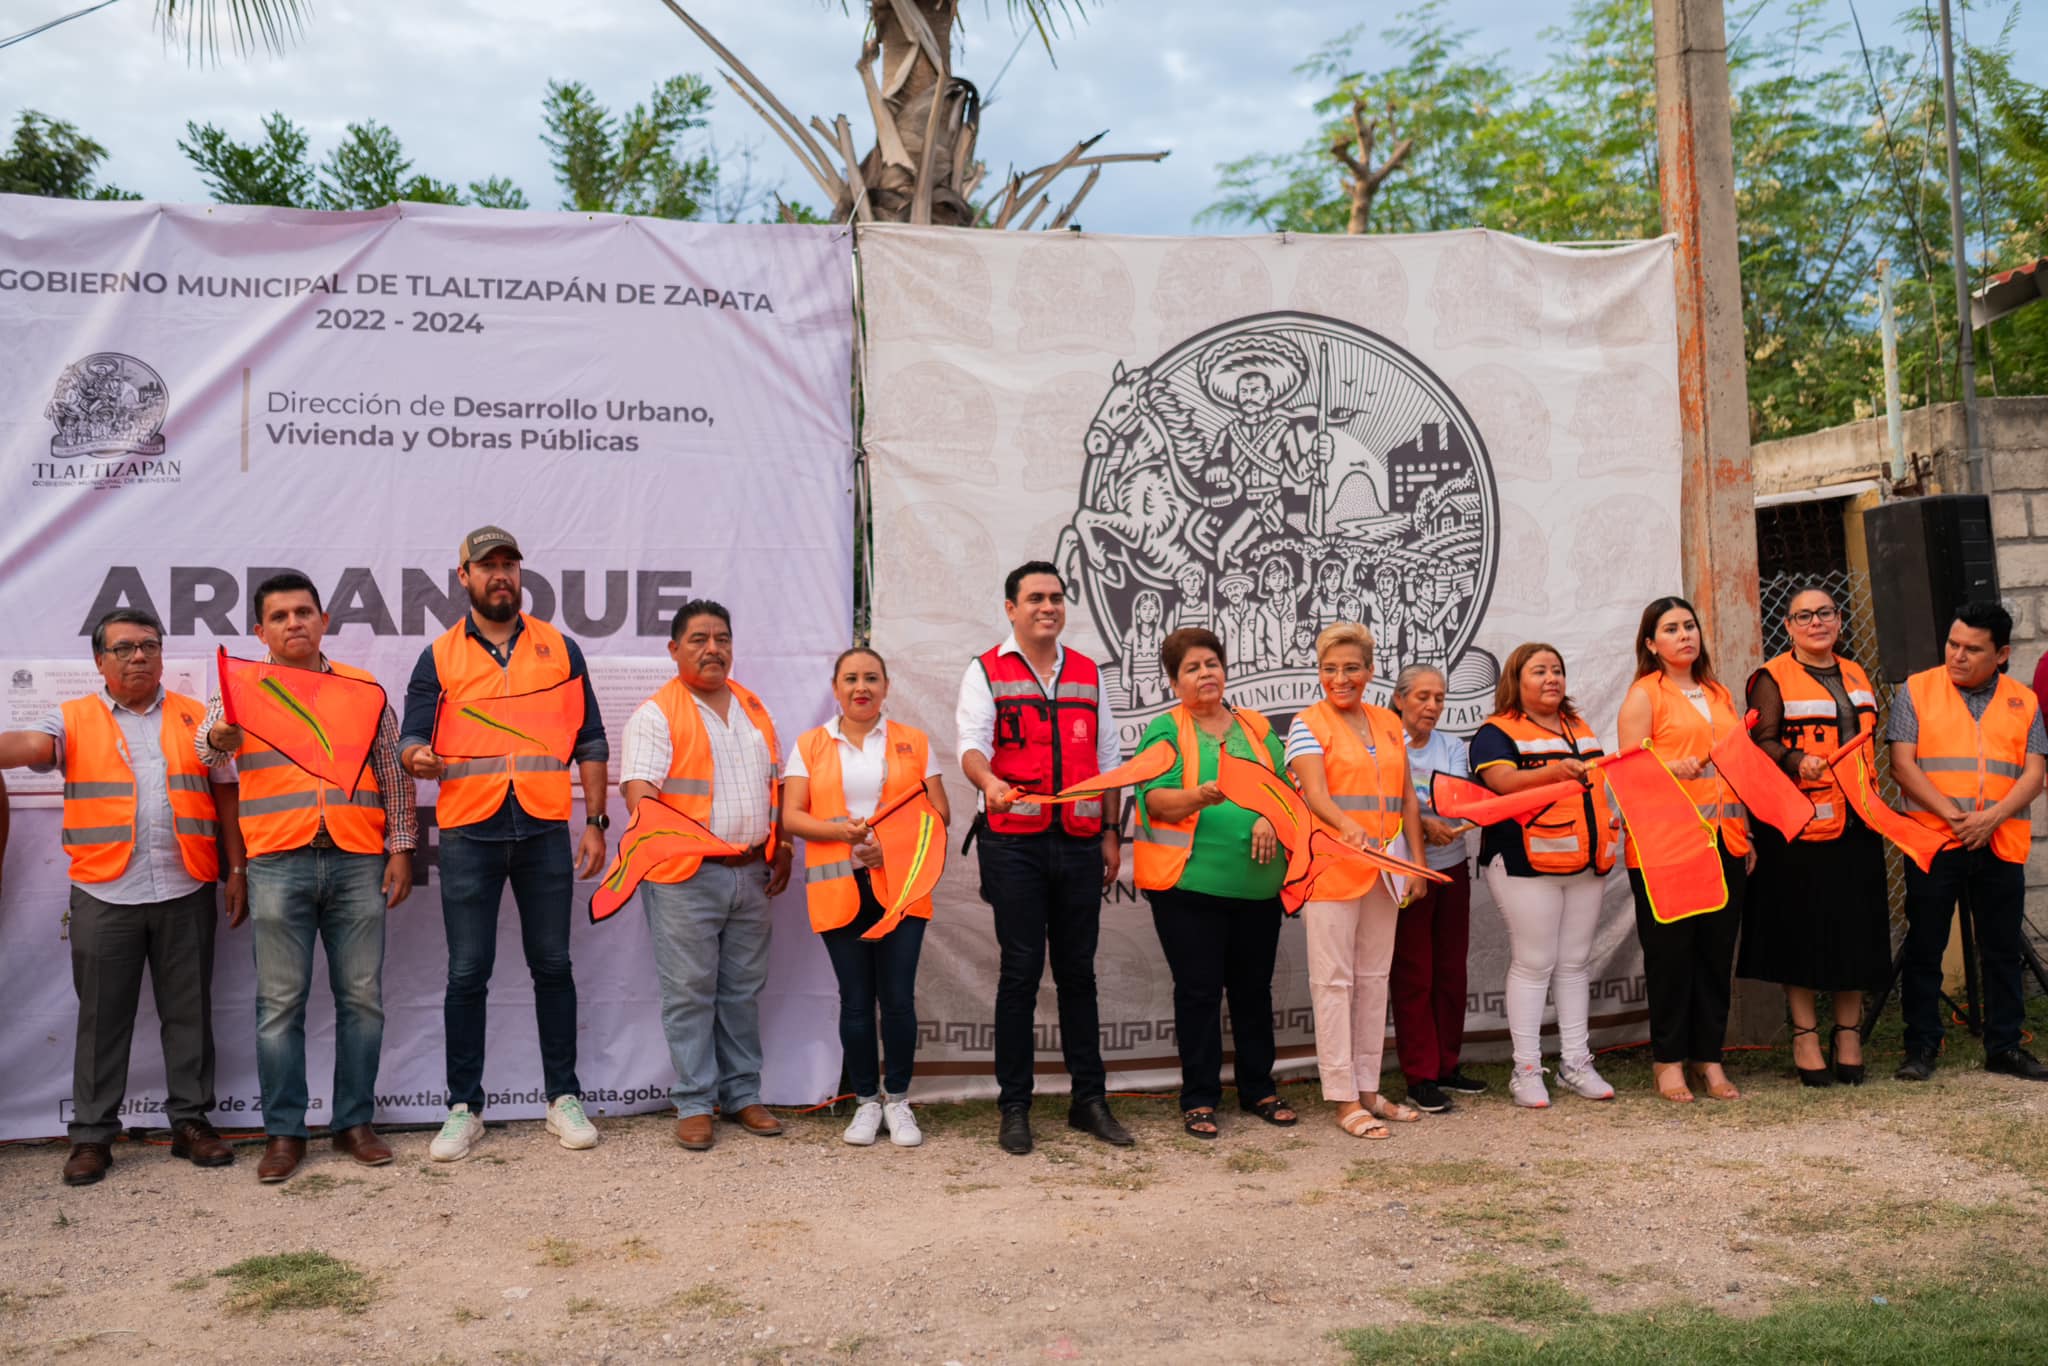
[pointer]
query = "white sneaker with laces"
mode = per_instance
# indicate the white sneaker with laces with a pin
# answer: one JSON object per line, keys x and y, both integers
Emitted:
{"x": 1583, "y": 1080}
{"x": 459, "y": 1133}
{"x": 1525, "y": 1085}
{"x": 567, "y": 1122}
{"x": 903, "y": 1130}
{"x": 867, "y": 1122}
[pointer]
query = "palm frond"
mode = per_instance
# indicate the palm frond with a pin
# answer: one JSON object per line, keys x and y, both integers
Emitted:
{"x": 272, "y": 25}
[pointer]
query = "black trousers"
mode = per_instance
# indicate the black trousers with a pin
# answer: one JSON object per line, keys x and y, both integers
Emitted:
{"x": 1220, "y": 946}
{"x": 1688, "y": 971}
{"x": 110, "y": 946}
{"x": 1997, "y": 893}
{"x": 1046, "y": 892}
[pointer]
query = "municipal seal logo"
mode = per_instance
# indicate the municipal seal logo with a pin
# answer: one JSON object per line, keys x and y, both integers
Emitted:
{"x": 109, "y": 411}
{"x": 1272, "y": 476}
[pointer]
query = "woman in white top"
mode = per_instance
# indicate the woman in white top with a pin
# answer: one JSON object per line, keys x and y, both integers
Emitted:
{"x": 838, "y": 776}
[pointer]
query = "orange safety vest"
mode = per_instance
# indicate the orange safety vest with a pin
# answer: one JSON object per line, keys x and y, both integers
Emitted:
{"x": 688, "y": 785}
{"x": 1160, "y": 849}
{"x": 472, "y": 790}
{"x": 1568, "y": 836}
{"x": 1974, "y": 763}
{"x": 1361, "y": 785}
{"x": 829, "y": 888}
{"x": 1813, "y": 726}
{"x": 1678, "y": 731}
{"x": 99, "y": 790}
{"x": 283, "y": 806}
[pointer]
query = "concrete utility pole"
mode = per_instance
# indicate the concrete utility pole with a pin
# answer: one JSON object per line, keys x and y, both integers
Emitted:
{"x": 1717, "y": 512}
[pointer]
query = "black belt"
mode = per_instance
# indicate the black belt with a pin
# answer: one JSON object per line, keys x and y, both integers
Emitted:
{"x": 753, "y": 855}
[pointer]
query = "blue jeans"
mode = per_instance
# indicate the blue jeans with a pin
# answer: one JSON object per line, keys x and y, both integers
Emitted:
{"x": 870, "y": 971}
{"x": 1996, "y": 891}
{"x": 711, "y": 950}
{"x": 473, "y": 877}
{"x": 337, "y": 897}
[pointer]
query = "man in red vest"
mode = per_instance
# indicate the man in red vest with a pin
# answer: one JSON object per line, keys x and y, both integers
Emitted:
{"x": 324, "y": 866}
{"x": 148, "y": 836}
{"x": 1968, "y": 751}
{"x": 1032, "y": 718}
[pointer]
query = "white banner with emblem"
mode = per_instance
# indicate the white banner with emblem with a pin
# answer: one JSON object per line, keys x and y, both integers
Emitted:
{"x": 1463, "y": 440}
{"x": 191, "y": 398}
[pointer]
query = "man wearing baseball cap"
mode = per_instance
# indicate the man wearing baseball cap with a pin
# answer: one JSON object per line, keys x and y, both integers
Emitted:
{"x": 506, "y": 819}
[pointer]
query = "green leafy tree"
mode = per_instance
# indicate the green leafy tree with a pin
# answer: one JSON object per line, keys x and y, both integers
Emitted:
{"x": 370, "y": 169}
{"x": 634, "y": 162}
{"x": 366, "y": 170}
{"x": 274, "y": 170}
{"x": 53, "y": 159}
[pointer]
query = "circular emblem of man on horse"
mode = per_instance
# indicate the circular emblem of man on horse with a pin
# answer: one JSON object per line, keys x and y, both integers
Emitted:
{"x": 1272, "y": 476}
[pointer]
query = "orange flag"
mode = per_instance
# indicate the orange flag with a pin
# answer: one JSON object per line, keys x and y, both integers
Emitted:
{"x": 322, "y": 722}
{"x": 1855, "y": 769}
{"x": 1462, "y": 799}
{"x": 1763, "y": 787}
{"x": 1263, "y": 792}
{"x": 1681, "y": 862}
{"x": 1327, "y": 852}
{"x": 1147, "y": 764}
{"x": 913, "y": 841}
{"x": 658, "y": 832}
{"x": 543, "y": 722}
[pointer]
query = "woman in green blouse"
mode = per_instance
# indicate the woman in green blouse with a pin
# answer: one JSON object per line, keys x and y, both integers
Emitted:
{"x": 1212, "y": 871}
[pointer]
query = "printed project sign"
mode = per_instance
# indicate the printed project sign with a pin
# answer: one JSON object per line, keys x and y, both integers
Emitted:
{"x": 194, "y": 398}
{"x": 1463, "y": 441}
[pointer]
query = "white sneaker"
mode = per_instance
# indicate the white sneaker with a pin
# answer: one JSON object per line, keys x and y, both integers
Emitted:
{"x": 867, "y": 1122}
{"x": 459, "y": 1133}
{"x": 1525, "y": 1085}
{"x": 567, "y": 1122}
{"x": 1583, "y": 1080}
{"x": 903, "y": 1130}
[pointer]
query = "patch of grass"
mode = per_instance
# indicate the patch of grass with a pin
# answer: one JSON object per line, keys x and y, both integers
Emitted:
{"x": 1132, "y": 1177}
{"x": 1248, "y": 1160}
{"x": 1507, "y": 1292}
{"x": 1853, "y": 1215}
{"x": 975, "y": 1118}
{"x": 61, "y": 1221}
{"x": 1933, "y": 1326}
{"x": 1422, "y": 1178}
{"x": 707, "y": 1300}
{"x": 967, "y": 1187}
{"x": 558, "y": 1252}
{"x": 638, "y": 1250}
{"x": 13, "y": 1302}
{"x": 1311, "y": 1198}
{"x": 192, "y": 1284}
{"x": 850, "y": 1347}
{"x": 580, "y": 1304}
{"x": 1509, "y": 1221}
{"x": 295, "y": 1280}
{"x": 2011, "y": 1142}
{"x": 314, "y": 1185}
{"x": 465, "y": 1314}
{"x": 432, "y": 1171}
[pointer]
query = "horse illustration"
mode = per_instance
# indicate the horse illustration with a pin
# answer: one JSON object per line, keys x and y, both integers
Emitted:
{"x": 1140, "y": 512}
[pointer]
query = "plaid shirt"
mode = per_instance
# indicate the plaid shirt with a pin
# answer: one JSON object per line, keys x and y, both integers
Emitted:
{"x": 394, "y": 784}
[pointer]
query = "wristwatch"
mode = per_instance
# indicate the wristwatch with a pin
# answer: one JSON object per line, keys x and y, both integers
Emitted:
{"x": 600, "y": 820}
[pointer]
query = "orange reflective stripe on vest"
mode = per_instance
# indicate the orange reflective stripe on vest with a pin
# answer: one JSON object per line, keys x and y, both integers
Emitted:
{"x": 1568, "y": 836}
{"x": 283, "y": 806}
{"x": 100, "y": 796}
{"x": 473, "y": 789}
{"x": 688, "y": 785}
{"x": 1678, "y": 731}
{"x": 1812, "y": 725}
{"x": 1160, "y": 849}
{"x": 829, "y": 889}
{"x": 1974, "y": 763}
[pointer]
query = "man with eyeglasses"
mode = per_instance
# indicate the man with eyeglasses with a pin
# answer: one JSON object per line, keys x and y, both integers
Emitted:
{"x": 148, "y": 832}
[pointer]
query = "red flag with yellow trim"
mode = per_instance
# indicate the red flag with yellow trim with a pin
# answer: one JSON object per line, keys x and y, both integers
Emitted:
{"x": 1142, "y": 767}
{"x": 320, "y": 721}
{"x": 1462, "y": 799}
{"x": 913, "y": 841}
{"x": 1679, "y": 856}
{"x": 543, "y": 722}
{"x": 657, "y": 833}
{"x": 1762, "y": 786}
{"x": 1855, "y": 769}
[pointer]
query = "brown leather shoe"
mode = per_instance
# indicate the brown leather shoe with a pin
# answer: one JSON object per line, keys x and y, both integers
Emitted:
{"x": 755, "y": 1119}
{"x": 694, "y": 1133}
{"x": 363, "y": 1144}
{"x": 196, "y": 1142}
{"x": 281, "y": 1157}
{"x": 88, "y": 1163}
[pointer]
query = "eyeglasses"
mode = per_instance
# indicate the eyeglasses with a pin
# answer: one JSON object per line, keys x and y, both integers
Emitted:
{"x": 129, "y": 649}
{"x": 1826, "y": 616}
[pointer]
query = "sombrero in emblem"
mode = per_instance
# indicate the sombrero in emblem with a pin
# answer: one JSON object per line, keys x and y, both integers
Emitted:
{"x": 1283, "y": 364}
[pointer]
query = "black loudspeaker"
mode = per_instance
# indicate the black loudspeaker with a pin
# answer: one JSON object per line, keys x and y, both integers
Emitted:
{"x": 1928, "y": 556}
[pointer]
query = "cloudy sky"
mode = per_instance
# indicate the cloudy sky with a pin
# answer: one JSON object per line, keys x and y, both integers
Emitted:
{"x": 461, "y": 81}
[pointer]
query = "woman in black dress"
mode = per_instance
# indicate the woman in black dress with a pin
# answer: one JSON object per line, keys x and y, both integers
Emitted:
{"x": 1816, "y": 918}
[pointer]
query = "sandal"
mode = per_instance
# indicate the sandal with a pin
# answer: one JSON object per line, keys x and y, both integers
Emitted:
{"x": 1189, "y": 1119}
{"x": 1361, "y": 1124}
{"x": 1383, "y": 1108}
{"x": 1271, "y": 1109}
{"x": 1724, "y": 1091}
{"x": 1678, "y": 1094}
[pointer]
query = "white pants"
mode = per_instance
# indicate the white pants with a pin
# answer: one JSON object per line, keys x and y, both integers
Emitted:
{"x": 1350, "y": 949}
{"x": 1551, "y": 922}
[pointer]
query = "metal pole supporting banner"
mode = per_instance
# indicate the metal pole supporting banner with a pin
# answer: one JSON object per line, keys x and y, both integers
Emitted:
{"x": 1966, "y": 339}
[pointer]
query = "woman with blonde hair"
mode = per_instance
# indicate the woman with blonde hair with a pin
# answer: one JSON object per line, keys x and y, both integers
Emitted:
{"x": 1350, "y": 759}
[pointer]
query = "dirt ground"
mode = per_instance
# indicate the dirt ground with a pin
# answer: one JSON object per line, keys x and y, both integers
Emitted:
{"x": 1253, "y": 1248}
